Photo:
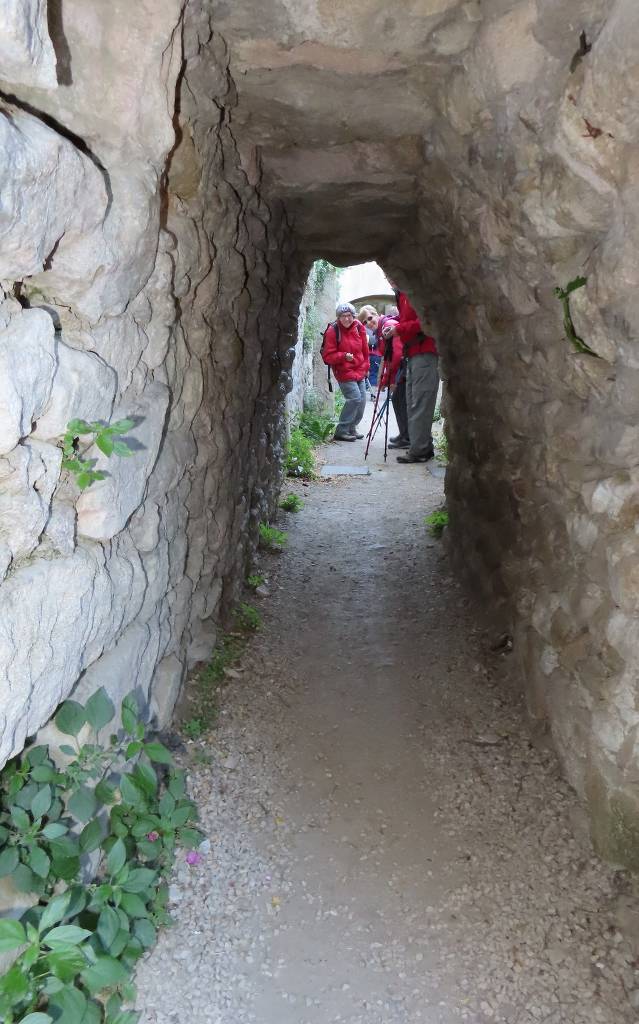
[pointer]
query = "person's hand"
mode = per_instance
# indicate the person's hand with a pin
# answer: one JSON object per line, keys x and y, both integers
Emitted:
{"x": 348, "y": 356}
{"x": 392, "y": 390}
{"x": 389, "y": 331}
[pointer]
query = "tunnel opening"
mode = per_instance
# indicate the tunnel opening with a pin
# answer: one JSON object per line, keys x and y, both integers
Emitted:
{"x": 482, "y": 153}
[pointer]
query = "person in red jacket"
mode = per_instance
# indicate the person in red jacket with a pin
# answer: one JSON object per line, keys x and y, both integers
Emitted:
{"x": 393, "y": 373}
{"x": 346, "y": 352}
{"x": 422, "y": 378}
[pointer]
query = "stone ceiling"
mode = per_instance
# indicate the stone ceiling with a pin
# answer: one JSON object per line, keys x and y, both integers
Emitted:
{"x": 340, "y": 99}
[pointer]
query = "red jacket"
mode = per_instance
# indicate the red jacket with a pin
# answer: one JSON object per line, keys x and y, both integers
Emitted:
{"x": 352, "y": 339}
{"x": 416, "y": 341}
{"x": 397, "y": 352}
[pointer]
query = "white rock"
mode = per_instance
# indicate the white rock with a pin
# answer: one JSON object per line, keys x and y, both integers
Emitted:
{"x": 56, "y": 617}
{"x": 83, "y": 388}
{"x": 27, "y": 367}
{"x": 105, "y": 508}
{"x": 52, "y": 196}
{"x": 165, "y": 685}
{"x": 28, "y": 476}
{"x": 27, "y": 56}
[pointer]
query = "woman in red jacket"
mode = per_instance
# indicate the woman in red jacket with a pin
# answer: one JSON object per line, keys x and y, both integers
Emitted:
{"x": 345, "y": 350}
{"x": 394, "y": 373}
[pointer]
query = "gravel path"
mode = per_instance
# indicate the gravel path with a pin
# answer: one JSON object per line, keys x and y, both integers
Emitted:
{"x": 386, "y": 844}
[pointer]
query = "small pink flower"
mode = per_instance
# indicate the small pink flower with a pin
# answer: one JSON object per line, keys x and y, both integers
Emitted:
{"x": 153, "y": 836}
{"x": 193, "y": 858}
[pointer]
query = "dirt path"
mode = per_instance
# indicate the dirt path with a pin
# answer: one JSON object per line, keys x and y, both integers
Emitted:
{"x": 387, "y": 846}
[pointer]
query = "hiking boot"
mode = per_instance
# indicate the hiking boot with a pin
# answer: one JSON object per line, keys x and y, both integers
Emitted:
{"x": 344, "y": 437}
{"x": 409, "y": 457}
{"x": 395, "y": 440}
{"x": 399, "y": 443}
{"x": 356, "y": 436}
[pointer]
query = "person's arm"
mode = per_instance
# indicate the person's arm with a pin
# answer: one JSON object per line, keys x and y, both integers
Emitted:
{"x": 331, "y": 354}
{"x": 409, "y": 327}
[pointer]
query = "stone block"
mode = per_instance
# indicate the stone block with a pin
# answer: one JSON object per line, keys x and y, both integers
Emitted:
{"x": 83, "y": 388}
{"x": 105, "y": 508}
{"x": 27, "y": 56}
{"x": 27, "y": 368}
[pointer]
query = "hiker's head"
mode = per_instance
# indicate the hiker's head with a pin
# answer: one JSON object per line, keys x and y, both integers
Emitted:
{"x": 345, "y": 313}
{"x": 369, "y": 316}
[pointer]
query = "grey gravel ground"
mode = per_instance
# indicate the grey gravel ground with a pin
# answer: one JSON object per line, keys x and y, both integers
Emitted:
{"x": 386, "y": 844}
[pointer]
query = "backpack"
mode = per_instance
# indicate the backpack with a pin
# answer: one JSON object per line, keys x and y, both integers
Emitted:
{"x": 335, "y": 327}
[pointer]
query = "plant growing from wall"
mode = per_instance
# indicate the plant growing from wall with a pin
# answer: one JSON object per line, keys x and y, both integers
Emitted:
{"x": 563, "y": 294}
{"x": 271, "y": 538}
{"x": 107, "y": 437}
{"x": 255, "y": 580}
{"x": 79, "y": 942}
{"x": 436, "y": 522}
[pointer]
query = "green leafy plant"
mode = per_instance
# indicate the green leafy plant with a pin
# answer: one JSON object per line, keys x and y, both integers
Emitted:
{"x": 105, "y": 436}
{"x": 339, "y": 402}
{"x": 78, "y": 943}
{"x": 299, "y": 459}
{"x": 441, "y": 447}
{"x": 436, "y": 522}
{"x": 271, "y": 538}
{"x": 563, "y": 294}
{"x": 292, "y": 503}
{"x": 248, "y": 617}
{"x": 318, "y": 427}
{"x": 255, "y": 580}
{"x": 194, "y": 728}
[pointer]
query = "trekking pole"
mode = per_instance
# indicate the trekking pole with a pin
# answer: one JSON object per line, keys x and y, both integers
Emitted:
{"x": 386, "y": 425}
{"x": 375, "y": 425}
{"x": 370, "y": 432}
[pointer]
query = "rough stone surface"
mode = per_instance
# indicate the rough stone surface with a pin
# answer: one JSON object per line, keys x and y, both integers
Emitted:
{"x": 161, "y": 276}
{"x": 27, "y": 368}
{"x": 26, "y": 52}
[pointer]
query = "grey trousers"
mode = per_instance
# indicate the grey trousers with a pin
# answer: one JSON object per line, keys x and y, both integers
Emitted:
{"x": 354, "y": 392}
{"x": 422, "y": 382}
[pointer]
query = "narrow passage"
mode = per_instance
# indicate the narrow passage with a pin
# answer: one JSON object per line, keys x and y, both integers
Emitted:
{"x": 386, "y": 843}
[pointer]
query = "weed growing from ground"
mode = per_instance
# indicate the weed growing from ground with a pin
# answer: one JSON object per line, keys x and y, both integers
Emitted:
{"x": 318, "y": 426}
{"x": 299, "y": 459}
{"x": 271, "y": 538}
{"x": 436, "y": 522}
{"x": 248, "y": 617}
{"x": 193, "y": 728}
{"x": 255, "y": 580}
{"x": 292, "y": 503}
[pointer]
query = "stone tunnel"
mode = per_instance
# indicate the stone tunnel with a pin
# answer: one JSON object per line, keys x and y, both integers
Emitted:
{"x": 170, "y": 171}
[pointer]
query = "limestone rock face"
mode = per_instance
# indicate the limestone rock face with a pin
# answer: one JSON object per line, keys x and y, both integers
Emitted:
{"x": 27, "y": 369}
{"x": 26, "y": 52}
{"x": 134, "y": 283}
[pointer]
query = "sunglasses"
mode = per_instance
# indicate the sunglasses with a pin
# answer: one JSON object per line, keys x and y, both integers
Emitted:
{"x": 369, "y": 318}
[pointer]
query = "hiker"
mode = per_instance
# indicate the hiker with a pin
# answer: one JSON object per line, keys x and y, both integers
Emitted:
{"x": 345, "y": 350}
{"x": 394, "y": 371}
{"x": 422, "y": 378}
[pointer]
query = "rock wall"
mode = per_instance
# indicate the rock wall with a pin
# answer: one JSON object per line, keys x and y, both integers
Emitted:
{"x": 141, "y": 275}
{"x": 530, "y": 181}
